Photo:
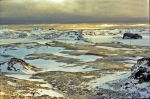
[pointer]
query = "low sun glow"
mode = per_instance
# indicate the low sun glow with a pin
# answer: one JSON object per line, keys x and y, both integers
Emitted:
{"x": 57, "y": 1}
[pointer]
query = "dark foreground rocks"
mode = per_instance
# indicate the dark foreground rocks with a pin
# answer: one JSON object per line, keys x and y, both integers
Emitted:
{"x": 141, "y": 70}
{"x": 135, "y": 85}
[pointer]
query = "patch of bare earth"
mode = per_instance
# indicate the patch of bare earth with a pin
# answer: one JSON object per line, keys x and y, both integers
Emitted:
{"x": 13, "y": 88}
{"x": 71, "y": 84}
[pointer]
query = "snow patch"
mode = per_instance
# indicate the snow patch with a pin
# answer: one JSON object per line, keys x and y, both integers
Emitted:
{"x": 49, "y": 92}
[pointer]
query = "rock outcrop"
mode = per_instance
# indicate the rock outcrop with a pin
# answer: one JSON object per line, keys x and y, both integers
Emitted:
{"x": 16, "y": 65}
{"x": 134, "y": 85}
{"x": 141, "y": 70}
{"x": 131, "y": 36}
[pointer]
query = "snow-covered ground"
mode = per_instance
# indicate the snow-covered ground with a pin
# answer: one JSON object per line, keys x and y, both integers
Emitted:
{"x": 127, "y": 85}
{"x": 130, "y": 61}
{"x": 46, "y": 65}
{"x": 52, "y": 65}
{"x": 39, "y": 91}
{"x": 24, "y": 40}
{"x": 145, "y": 41}
{"x": 40, "y": 36}
{"x": 85, "y": 58}
{"x": 101, "y": 81}
{"x": 113, "y": 48}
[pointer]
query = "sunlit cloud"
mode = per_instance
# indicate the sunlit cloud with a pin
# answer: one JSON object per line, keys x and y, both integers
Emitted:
{"x": 74, "y": 11}
{"x": 138, "y": 25}
{"x": 56, "y": 1}
{"x": 109, "y": 25}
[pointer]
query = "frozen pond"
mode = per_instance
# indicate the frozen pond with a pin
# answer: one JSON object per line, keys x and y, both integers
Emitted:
{"x": 22, "y": 40}
{"x": 113, "y": 48}
{"x": 85, "y": 58}
{"x": 96, "y": 39}
{"x": 101, "y": 81}
{"x": 102, "y": 39}
{"x": 52, "y": 65}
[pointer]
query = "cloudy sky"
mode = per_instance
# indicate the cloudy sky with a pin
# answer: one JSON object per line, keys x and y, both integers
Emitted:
{"x": 73, "y": 11}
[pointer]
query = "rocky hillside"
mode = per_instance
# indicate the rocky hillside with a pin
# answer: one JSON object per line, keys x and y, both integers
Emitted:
{"x": 16, "y": 65}
{"x": 132, "y": 85}
{"x": 141, "y": 70}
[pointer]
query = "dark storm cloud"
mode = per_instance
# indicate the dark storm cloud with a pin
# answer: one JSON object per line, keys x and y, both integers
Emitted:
{"x": 73, "y": 11}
